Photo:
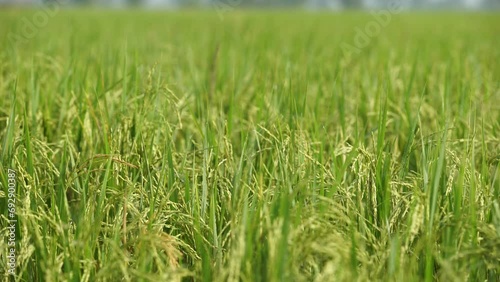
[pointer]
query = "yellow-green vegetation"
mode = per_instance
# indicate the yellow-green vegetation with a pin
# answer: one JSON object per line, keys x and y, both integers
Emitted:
{"x": 179, "y": 146}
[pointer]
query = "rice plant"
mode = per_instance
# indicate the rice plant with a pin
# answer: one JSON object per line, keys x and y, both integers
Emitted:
{"x": 173, "y": 146}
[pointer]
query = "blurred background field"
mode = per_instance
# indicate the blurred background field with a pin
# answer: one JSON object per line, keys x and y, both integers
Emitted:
{"x": 308, "y": 4}
{"x": 256, "y": 146}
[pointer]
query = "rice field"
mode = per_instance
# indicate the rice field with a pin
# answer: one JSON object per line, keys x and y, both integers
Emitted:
{"x": 253, "y": 146}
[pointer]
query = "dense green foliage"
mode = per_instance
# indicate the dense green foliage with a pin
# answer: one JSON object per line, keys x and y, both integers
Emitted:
{"x": 182, "y": 146}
